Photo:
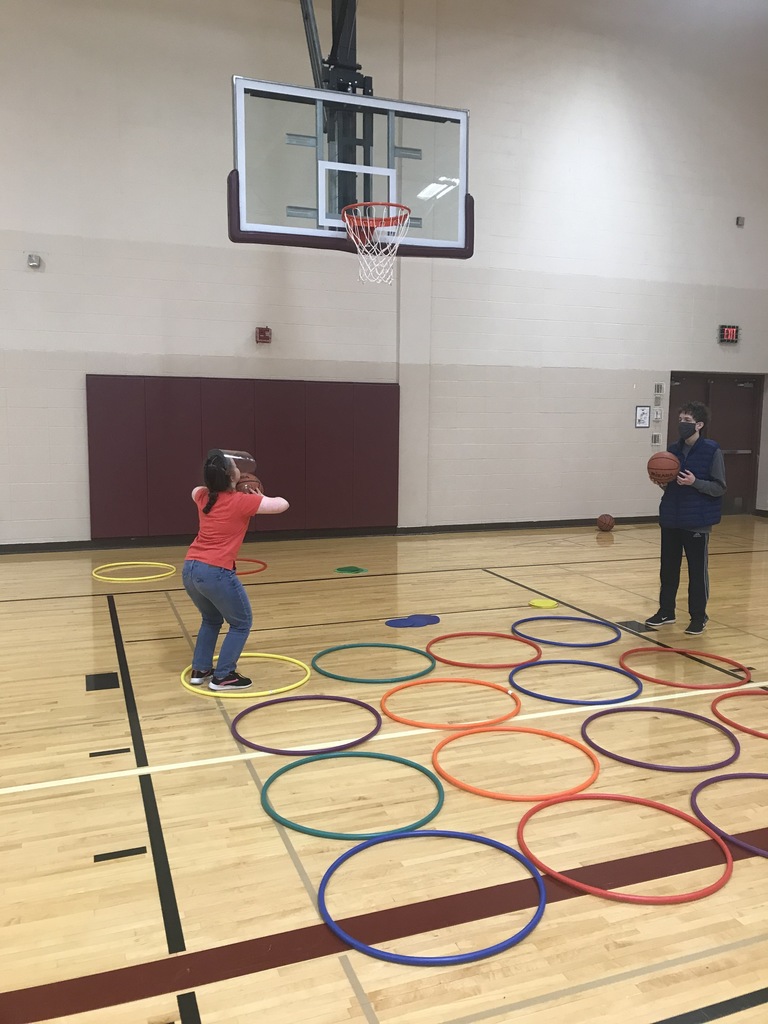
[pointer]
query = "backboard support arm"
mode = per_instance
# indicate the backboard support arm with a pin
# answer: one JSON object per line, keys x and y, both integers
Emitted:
{"x": 339, "y": 70}
{"x": 313, "y": 42}
{"x": 341, "y": 73}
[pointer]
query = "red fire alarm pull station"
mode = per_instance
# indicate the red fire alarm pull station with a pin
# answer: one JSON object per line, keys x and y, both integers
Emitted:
{"x": 263, "y": 335}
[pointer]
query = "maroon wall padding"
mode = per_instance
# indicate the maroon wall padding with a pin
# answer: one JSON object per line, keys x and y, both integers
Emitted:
{"x": 331, "y": 449}
{"x": 117, "y": 456}
{"x": 174, "y": 446}
{"x": 330, "y": 455}
{"x": 227, "y": 416}
{"x": 375, "y": 466}
{"x": 280, "y": 442}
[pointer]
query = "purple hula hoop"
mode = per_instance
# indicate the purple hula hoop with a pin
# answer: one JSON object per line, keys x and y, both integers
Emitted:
{"x": 320, "y": 750}
{"x": 725, "y": 835}
{"x": 651, "y": 764}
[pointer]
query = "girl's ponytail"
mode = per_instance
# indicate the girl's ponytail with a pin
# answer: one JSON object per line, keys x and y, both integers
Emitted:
{"x": 216, "y": 476}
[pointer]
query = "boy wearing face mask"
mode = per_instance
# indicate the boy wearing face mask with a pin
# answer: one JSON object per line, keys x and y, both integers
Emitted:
{"x": 690, "y": 506}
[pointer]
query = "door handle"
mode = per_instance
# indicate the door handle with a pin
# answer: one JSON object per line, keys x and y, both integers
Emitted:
{"x": 736, "y": 451}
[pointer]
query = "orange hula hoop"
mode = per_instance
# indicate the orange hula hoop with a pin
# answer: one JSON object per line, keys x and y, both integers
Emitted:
{"x": 506, "y": 796}
{"x": 442, "y": 725}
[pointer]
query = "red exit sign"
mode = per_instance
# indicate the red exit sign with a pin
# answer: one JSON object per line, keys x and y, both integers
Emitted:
{"x": 729, "y": 334}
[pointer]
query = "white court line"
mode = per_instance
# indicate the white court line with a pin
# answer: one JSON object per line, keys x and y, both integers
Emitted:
{"x": 128, "y": 773}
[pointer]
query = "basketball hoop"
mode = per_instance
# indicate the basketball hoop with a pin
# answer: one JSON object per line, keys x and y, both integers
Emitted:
{"x": 377, "y": 230}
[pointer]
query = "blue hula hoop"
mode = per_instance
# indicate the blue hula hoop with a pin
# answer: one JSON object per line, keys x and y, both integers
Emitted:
{"x": 433, "y": 961}
{"x": 566, "y": 618}
{"x": 566, "y": 700}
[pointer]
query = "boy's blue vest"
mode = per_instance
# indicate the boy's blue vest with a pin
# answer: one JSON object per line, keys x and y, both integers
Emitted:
{"x": 685, "y": 508}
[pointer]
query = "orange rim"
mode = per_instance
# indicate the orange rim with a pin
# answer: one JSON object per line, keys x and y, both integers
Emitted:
{"x": 506, "y": 796}
{"x": 696, "y": 654}
{"x": 730, "y": 721}
{"x": 472, "y": 664}
{"x": 443, "y": 725}
{"x": 351, "y": 215}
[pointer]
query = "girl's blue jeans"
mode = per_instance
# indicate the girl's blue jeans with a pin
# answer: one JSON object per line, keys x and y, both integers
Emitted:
{"x": 218, "y": 595}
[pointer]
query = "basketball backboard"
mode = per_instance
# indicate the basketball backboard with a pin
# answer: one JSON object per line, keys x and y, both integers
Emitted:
{"x": 301, "y": 155}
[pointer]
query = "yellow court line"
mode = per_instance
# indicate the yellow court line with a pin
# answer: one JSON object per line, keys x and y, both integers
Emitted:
{"x": 127, "y": 773}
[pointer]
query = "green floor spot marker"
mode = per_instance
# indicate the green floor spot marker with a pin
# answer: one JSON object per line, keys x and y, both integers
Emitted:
{"x": 351, "y": 570}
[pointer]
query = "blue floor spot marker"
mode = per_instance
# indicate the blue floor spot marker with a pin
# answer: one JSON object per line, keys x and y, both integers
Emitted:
{"x": 413, "y": 620}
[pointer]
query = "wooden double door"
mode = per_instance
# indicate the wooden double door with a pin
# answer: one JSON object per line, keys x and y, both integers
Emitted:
{"x": 735, "y": 402}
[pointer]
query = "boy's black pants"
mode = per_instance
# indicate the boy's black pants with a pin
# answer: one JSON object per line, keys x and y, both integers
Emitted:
{"x": 696, "y": 547}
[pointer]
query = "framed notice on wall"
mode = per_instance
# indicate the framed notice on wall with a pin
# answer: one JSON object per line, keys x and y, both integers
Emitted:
{"x": 642, "y": 415}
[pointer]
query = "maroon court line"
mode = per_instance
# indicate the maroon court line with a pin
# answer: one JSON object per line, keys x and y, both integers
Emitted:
{"x": 251, "y": 956}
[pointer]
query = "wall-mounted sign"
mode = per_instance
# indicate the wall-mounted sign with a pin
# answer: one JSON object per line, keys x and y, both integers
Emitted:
{"x": 642, "y": 415}
{"x": 729, "y": 334}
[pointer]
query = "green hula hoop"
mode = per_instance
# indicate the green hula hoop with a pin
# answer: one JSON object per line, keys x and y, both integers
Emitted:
{"x": 355, "y": 679}
{"x": 265, "y": 803}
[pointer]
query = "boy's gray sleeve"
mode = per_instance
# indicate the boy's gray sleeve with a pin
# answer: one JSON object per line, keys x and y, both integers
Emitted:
{"x": 716, "y": 486}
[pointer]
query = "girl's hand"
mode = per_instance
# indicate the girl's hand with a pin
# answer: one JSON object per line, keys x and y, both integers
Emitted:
{"x": 250, "y": 484}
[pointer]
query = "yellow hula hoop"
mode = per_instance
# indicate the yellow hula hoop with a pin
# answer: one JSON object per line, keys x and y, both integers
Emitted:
{"x": 97, "y": 572}
{"x": 203, "y": 691}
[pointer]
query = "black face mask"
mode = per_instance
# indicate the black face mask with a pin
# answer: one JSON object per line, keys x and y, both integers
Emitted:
{"x": 686, "y": 430}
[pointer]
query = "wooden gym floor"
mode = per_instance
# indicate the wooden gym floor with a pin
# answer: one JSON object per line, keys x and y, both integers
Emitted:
{"x": 143, "y": 882}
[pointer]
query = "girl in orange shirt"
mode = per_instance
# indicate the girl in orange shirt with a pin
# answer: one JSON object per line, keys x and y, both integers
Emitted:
{"x": 209, "y": 570}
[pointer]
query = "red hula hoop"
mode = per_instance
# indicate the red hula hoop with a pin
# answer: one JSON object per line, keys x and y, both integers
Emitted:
{"x": 250, "y": 572}
{"x": 730, "y": 721}
{"x": 611, "y": 894}
{"x": 472, "y": 664}
{"x": 681, "y": 650}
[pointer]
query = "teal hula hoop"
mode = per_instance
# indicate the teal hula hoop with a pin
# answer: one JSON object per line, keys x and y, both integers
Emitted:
{"x": 355, "y": 679}
{"x": 322, "y": 833}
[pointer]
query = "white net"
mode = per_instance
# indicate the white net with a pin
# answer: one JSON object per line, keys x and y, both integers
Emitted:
{"x": 377, "y": 230}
